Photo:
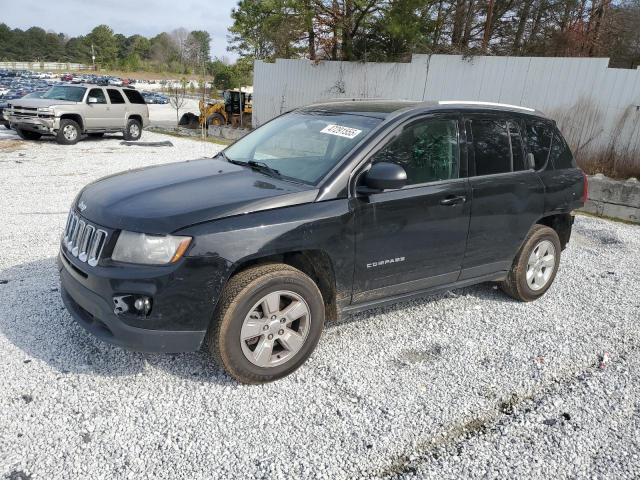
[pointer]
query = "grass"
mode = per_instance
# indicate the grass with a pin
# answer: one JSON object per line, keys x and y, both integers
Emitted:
{"x": 7, "y": 146}
{"x": 177, "y": 133}
{"x": 139, "y": 74}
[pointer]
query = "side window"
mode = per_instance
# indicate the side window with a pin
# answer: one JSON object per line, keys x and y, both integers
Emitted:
{"x": 115, "y": 96}
{"x": 427, "y": 149}
{"x": 560, "y": 153}
{"x": 539, "y": 142}
{"x": 97, "y": 93}
{"x": 517, "y": 151}
{"x": 491, "y": 146}
{"x": 134, "y": 96}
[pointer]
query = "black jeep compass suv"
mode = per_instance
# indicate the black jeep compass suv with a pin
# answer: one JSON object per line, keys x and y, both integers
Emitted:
{"x": 328, "y": 209}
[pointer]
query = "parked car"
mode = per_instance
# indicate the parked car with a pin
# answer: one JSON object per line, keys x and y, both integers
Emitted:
{"x": 330, "y": 209}
{"x": 69, "y": 111}
{"x": 153, "y": 97}
{"x": 3, "y": 121}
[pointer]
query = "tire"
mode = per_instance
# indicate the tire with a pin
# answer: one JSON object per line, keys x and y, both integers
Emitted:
{"x": 133, "y": 130}
{"x": 95, "y": 135}
{"x": 69, "y": 132}
{"x": 28, "y": 135}
{"x": 215, "y": 120}
{"x": 241, "y": 302}
{"x": 529, "y": 277}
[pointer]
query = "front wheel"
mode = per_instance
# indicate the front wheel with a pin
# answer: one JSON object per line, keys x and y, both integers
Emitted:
{"x": 267, "y": 323}
{"x": 535, "y": 265}
{"x": 69, "y": 132}
{"x": 133, "y": 130}
{"x": 28, "y": 135}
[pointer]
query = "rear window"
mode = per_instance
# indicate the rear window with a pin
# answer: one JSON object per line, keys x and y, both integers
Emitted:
{"x": 115, "y": 96}
{"x": 560, "y": 153}
{"x": 539, "y": 142}
{"x": 491, "y": 146}
{"x": 134, "y": 96}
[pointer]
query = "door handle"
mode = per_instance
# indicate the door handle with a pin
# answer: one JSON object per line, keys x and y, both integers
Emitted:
{"x": 453, "y": 200}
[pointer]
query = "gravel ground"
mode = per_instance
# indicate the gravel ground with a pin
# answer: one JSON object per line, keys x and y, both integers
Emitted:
{"x": 464, "y": 384}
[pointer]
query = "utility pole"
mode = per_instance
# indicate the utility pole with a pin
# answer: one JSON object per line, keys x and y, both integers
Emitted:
{"x": 93, "y": 57}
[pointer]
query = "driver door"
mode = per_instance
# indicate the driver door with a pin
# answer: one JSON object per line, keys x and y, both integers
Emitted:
{"x": 415, "y": 237}
{"x": 96, "y": 113}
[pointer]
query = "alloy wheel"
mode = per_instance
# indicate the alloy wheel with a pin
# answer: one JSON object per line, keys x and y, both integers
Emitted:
{"x": 540, "y": 265}
{"x": 275, "y": 329}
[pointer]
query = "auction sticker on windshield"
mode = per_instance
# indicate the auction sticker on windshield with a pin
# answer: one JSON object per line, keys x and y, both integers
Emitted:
{"x": 341, "y": 131}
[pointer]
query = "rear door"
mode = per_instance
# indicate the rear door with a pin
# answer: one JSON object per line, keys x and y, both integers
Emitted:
{"x": 507, "y": 196}
{"x": 117, "y": 109}
{"x": 414, "y": 238}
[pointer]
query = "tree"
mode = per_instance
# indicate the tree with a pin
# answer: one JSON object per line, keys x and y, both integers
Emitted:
{"x": 177, "y": 97}
{"x": 199, "y": 47}
{"x": 105, "y": 45}
{"x": 267, "y": 29}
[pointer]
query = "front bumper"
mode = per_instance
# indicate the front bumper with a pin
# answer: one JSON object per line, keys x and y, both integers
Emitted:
{"x": 89, "y": 299}
{"x": 34, "y": 124}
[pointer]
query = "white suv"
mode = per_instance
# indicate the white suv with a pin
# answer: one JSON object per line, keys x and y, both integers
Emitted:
{"x": 70, "y": 111}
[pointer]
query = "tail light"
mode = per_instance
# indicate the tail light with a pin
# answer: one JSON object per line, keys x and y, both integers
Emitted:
{"x": 585, "y": 188}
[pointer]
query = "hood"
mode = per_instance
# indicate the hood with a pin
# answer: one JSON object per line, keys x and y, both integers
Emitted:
{"x": 166, "y": 198}
{"x": 39, "y": 102}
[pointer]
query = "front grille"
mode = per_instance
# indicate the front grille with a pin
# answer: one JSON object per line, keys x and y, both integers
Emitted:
{"x": 83, "y": 240}
{"x": 27, "y": 112}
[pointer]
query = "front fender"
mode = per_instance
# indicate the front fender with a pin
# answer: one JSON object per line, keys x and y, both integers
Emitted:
{"x": 232, "y": 242}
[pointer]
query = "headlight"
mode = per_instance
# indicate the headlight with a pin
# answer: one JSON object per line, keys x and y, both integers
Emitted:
{"x": 45, "y": 109}
{"x": 146, "y": 249}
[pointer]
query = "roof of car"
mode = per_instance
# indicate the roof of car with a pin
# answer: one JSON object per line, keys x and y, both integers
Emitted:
{"x": 93, "y": 85}
{"x": 384, "y": 108}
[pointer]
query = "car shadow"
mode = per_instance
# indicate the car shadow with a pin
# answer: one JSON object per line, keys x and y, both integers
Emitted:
{"x": 34, "y": 319}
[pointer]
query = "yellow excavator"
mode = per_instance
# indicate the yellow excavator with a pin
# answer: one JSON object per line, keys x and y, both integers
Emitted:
{"x": 227, "y": 111}
{"x": 221, "y": 112}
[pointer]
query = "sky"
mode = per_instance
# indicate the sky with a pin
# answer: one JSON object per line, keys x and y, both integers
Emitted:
{"x": 146, "y": 17}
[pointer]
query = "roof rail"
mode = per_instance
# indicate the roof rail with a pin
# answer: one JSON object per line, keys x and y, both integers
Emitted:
{"x": 486, "y": 104}
{"x": 371, "y": 99}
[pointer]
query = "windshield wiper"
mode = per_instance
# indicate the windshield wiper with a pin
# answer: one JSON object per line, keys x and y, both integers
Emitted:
{"x": 264, "y": 168}
{"x": 258, "y": 166}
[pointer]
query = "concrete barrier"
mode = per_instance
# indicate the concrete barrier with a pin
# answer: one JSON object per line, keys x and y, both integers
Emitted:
{"x": 228, "y": 132}
{"x": 614, "y": 198}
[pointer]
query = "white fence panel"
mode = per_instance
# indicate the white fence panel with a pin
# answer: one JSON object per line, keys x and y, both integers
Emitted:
{"x": 598, "y": 108}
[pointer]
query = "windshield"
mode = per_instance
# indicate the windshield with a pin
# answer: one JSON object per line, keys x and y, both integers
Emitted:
{"x": 72, "y": 94}
{"x": 302, "y": 146}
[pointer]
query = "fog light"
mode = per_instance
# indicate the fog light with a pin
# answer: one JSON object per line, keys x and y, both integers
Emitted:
{"x": 137, "y": 304}
{"x": 142, "y": 305}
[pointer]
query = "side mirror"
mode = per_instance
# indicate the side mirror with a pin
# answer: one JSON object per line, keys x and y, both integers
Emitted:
{"x": 531, "y": 161}
{"x": 385, "y": 176}
{"x": 92, "y": 100}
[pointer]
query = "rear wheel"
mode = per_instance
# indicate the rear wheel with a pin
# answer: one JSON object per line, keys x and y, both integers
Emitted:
{"x": 268, "y": 322}
{"x": 133, "y": 130}
{"x": 535, "y": 265}
{"x": 69, "y": 132}
{"x": 27, "y": 134}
